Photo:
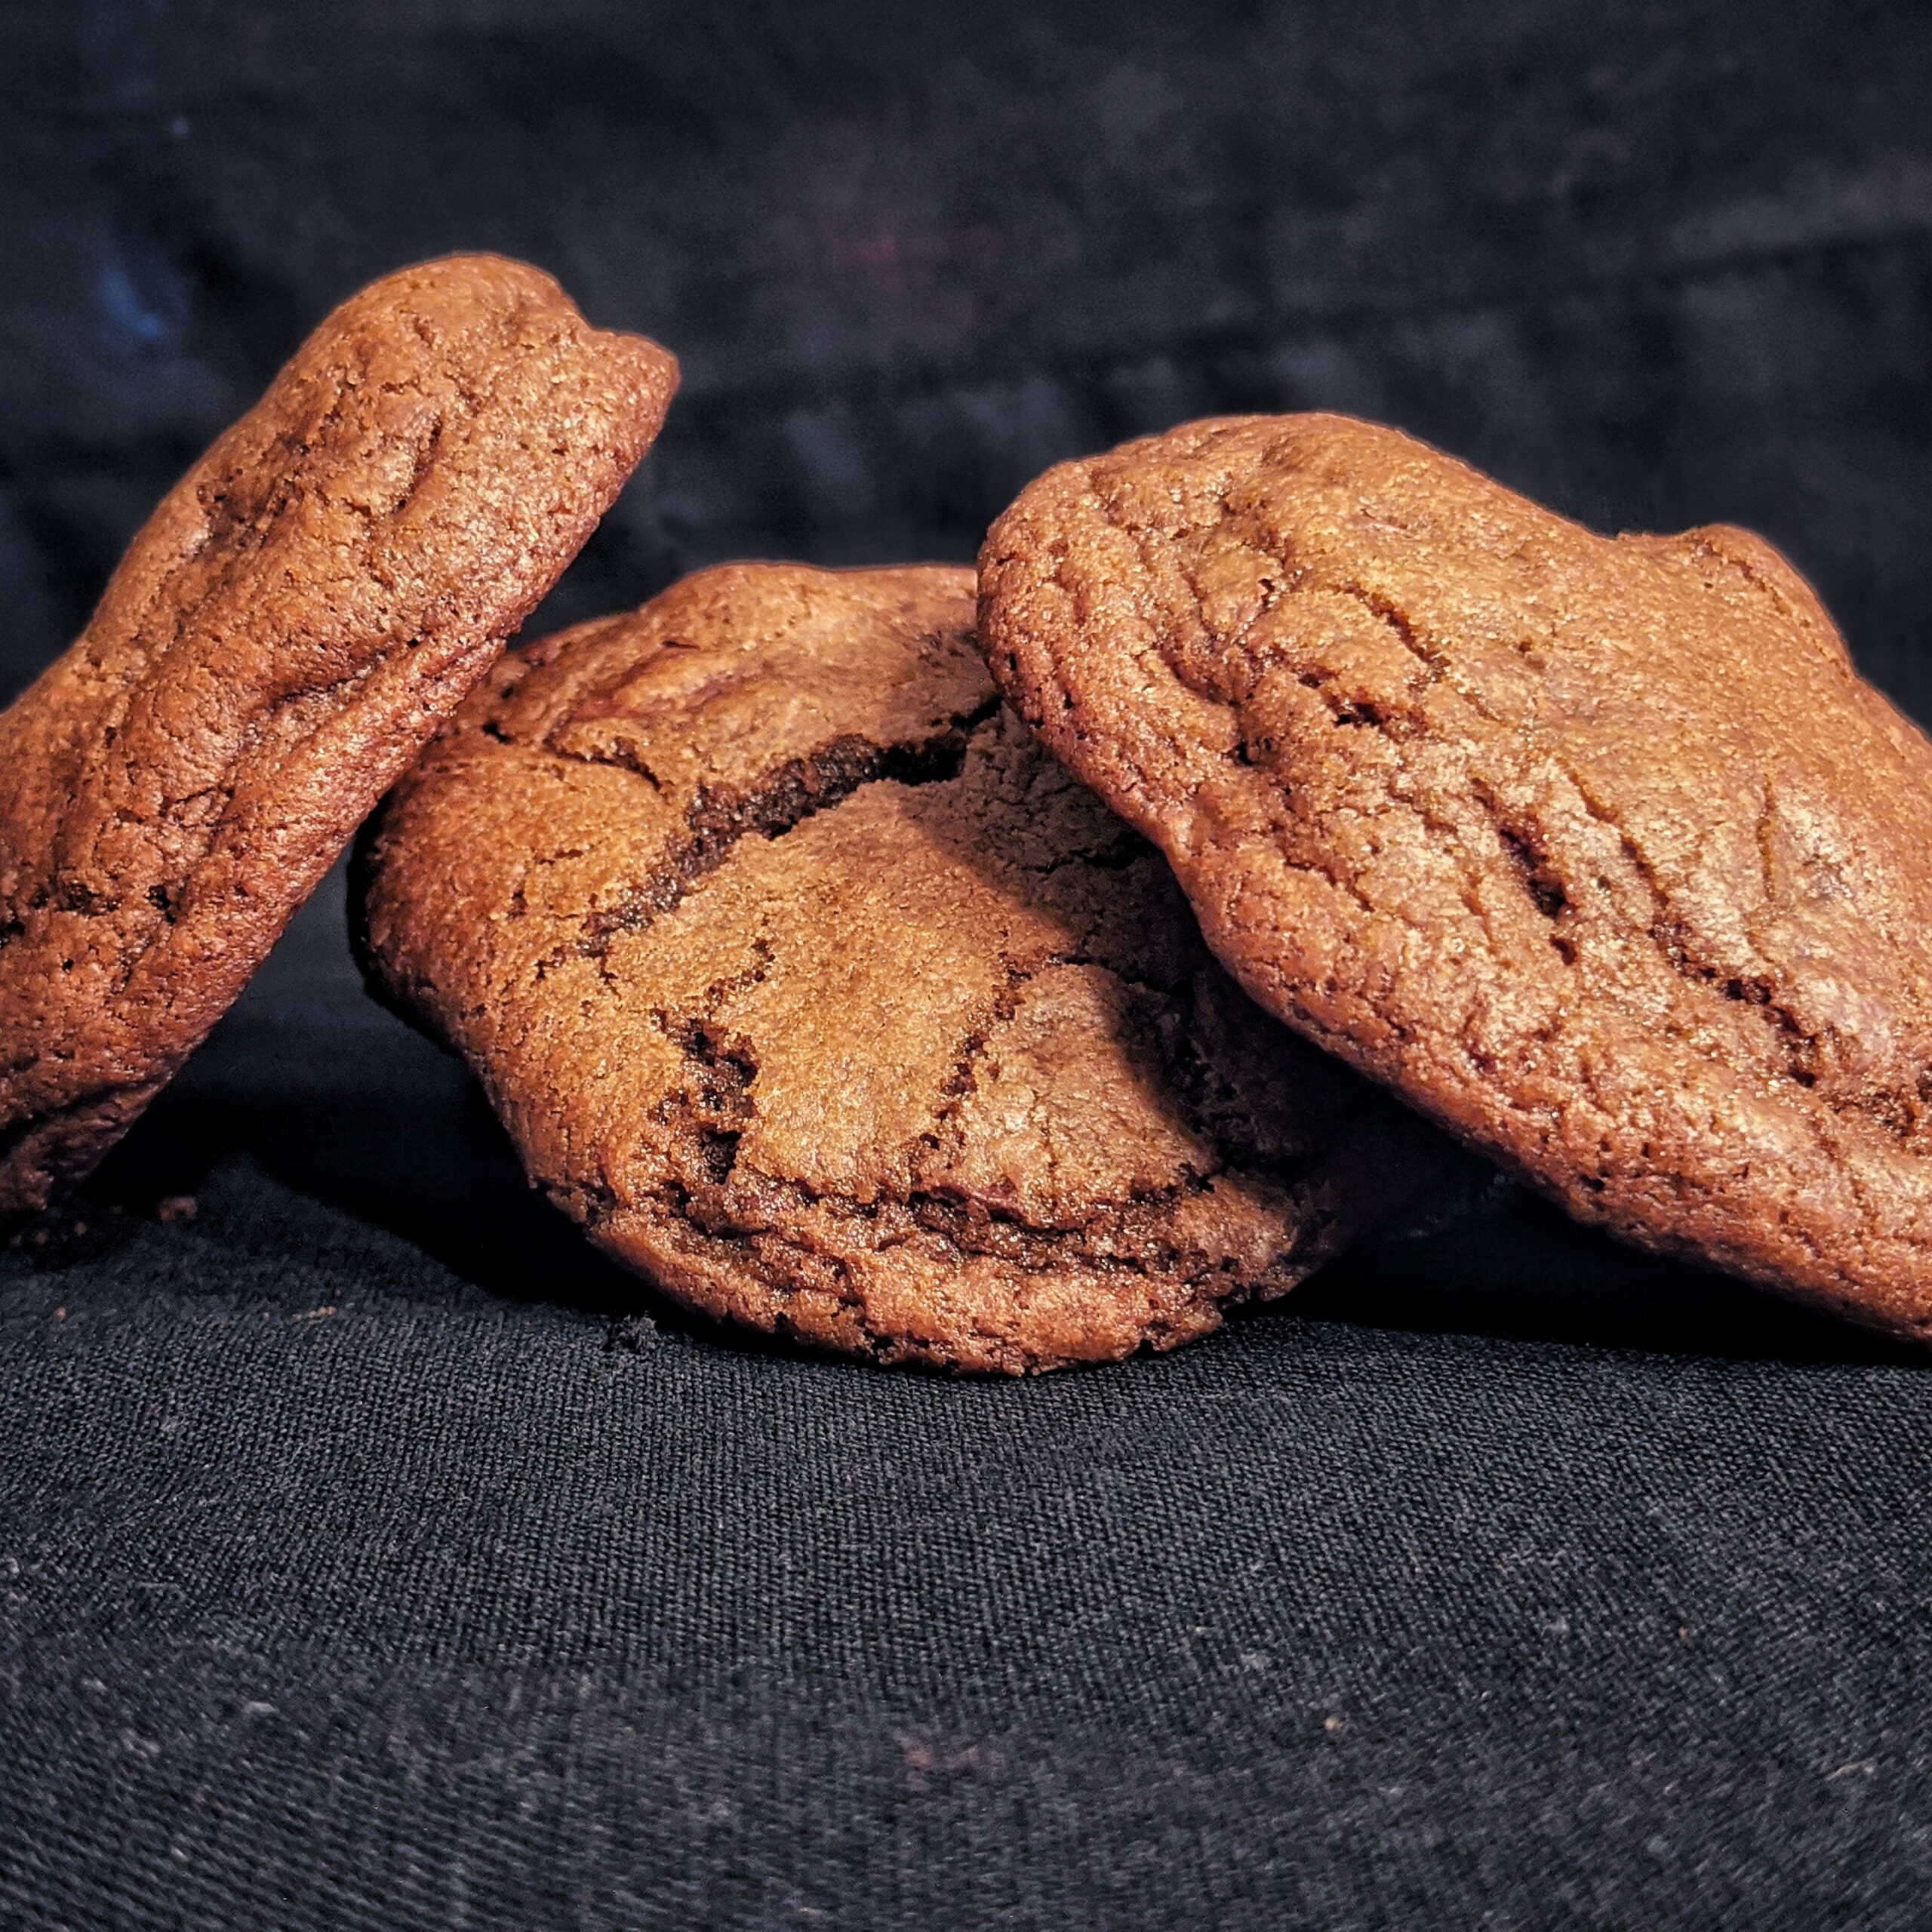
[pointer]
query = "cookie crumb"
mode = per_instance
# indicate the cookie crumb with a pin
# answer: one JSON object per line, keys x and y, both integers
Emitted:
{"x": 174, "y": 1208}
{"x": 631, "y": 1335}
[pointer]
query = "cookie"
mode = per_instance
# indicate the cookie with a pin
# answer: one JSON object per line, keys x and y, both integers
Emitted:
{"x": 819, "y": 995}
{"x": 293, "y": 624}
{"x": 1597, "y": 850}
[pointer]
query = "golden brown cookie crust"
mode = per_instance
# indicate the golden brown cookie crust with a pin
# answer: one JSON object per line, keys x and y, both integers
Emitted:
{"x": 293, "y": 623}
{"x": 1598, "y": 851}
{"x": 818, "y": 993}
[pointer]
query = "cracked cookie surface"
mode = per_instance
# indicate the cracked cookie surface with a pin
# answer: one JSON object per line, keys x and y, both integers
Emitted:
{"x": 294, "y": 622}
{"x": 818, "y": 993}
{"x": 1598, "y": 851}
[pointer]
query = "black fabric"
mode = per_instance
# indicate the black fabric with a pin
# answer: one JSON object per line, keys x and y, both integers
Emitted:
{"x": 348, "y": 1594}
{"x": 373, "y": 1554}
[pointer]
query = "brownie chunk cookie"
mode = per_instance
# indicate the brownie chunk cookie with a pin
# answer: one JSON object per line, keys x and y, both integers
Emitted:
{"x": 819, "y": 994}
{"x": 1597, "y": 850}
{"x": 297, "y": 619}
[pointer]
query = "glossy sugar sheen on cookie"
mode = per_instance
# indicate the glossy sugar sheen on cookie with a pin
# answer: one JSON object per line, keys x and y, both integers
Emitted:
{"x": 1597, "y": 849}
{"x": 817, "y": 992}
{"x": 294, "y": 622}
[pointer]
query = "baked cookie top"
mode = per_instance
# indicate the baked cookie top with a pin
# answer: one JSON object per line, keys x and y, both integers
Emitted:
{"x": 809, "y": 985}
{"x": 294, "y": 621}
{"x": 1598, "y": 851}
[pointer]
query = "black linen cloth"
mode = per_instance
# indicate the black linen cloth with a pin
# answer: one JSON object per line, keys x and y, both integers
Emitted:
{"x": 371, "y": 1555}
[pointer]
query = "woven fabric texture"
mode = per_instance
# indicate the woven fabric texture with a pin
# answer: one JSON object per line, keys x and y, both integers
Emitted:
{"x": 337, "y": 1592}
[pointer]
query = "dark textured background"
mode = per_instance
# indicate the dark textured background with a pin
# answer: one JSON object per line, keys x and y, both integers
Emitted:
{"x": 367, "y": 1557}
